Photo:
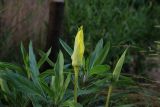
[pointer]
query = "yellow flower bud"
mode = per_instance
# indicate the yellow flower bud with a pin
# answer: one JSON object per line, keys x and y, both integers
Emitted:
{"x": 78, "y": 52}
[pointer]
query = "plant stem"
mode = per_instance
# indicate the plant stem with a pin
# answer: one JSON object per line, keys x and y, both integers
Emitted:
{"x": 109, "y": 95}
{"x": 76, "y": 70}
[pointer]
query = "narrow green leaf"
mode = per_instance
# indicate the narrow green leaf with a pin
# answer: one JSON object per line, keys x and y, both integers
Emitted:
{"x": 47, "y": 89}
{"x": 96, "y": 53}
{"x": 4, "y": 86}
{"x": 25, "y": 59}
{"x": 34, "y": 68}
{"x": 52, "y": 84}
{"x": 70, "y": 103}
{"x": 67, "y": 81}
{"x": 65, "y": 85}
{"x": 47, "y": 73}
{"x": 66, "y": 47}
{"x": 33, "y": 63}
{"x": 50, "y": 62}
{"x": 24, "y": 53}
{"x": 59, "y": 78}
{"x": 44, "y": 58}
{"x": 11, "y": 66}
{"x": 99, "y": 70}
{"x": 21, "y": 83}
{"x": 103, "y": 54}
{"x": 117, "y": 70}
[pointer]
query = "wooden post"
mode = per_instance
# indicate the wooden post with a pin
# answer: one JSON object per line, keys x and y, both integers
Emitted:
{"x": 56, "y": 12}
{"x": 1, "y": 20}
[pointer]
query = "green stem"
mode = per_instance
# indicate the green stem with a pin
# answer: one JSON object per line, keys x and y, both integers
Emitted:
{"x": 109, "y": 95}
{"x": 76, "y": 70}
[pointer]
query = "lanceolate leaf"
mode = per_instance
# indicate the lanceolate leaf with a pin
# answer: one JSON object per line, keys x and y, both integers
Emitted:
{"x": 33, "y": 63}
{"x": 25, "y": 59}
{"x": 41, "y": 53}
{"x": 70, "y": 103}
{"x": 96, "y": 53}
{"x": 66, "y": 47}
{"x": 47, "y": 89}
{"x": 67, "y": 81}
{"x": 59, "y": 70}
{"x": 44, "y": 58}
{"x": 57, "y": 81}
{"x": 65, "y": 85}
{"x": 4, "y": 86}
{"x": 34, "y": 68}
{"x": 47, "y": 73}
{"x": 99, "y": 69}
{"x": 117, "y": 70}
{"x": 103, "y": 54}
{"x": 11, "y": 66}
{"x": 21, "y": 83}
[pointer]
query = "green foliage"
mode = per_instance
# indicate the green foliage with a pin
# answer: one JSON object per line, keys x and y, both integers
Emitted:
{"x": 116, "y": 74}
{"x": 28, "y": 81}
{"x": 117, "y": 22}
{"x": 95, "y": 77}
{"x": 93, "y": 69}
{"x": 24, "y": 85}
{"x": 122, "y": 22}
{"x": 117, "y": 70}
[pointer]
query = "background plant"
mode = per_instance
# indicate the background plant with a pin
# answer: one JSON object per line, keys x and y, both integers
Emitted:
{"x": 122, "y": 22}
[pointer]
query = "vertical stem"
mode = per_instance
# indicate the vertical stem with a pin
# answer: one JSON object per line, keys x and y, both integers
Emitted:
{"x": 76, "y": 70}
{"x": 109, "y": 95}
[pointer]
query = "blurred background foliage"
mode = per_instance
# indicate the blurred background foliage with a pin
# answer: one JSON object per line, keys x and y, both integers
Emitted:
{"x": 122, "y": 22}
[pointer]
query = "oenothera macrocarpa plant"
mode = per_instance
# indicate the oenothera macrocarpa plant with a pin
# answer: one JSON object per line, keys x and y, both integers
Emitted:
{"x": 52, "y": 87}
{"x": 93, "y": 65}
{"x": 77, "y": 58}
